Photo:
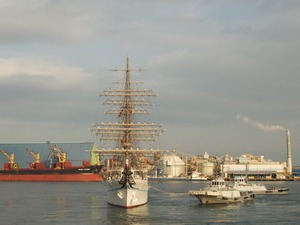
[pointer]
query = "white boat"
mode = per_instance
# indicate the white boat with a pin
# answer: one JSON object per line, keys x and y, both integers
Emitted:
{"x": 220, "y": 193}
{"x": 196, "y": 176}
{"x": 127, "y": 188}
{"x": 126, "y": 165}
{"x": 240, "y": 183}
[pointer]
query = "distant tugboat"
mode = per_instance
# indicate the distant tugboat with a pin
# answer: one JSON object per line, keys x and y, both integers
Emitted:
{"x": 126, "y": 163}
{"x": 241, "y": 184}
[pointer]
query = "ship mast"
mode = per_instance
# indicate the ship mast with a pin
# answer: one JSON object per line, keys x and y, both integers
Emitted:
{"x": 128, "y": 109}
{"x": 127, "y": 133}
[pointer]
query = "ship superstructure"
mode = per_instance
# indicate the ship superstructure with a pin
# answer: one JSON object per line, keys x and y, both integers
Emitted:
{"x": 127, "y": 159}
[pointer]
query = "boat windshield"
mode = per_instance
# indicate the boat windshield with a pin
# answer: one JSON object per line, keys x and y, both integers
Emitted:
{"x": 239, "y": 179}
{"x": 218, "y": 183}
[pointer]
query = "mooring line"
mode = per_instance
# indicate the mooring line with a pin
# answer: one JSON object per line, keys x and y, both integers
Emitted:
{"x": 170, "y": 193}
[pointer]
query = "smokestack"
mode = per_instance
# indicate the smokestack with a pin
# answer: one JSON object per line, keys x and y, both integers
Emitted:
{"x": 289, "y": 154}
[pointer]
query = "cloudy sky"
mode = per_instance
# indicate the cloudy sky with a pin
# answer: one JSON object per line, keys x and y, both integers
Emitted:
{"x": 226, "y": 72}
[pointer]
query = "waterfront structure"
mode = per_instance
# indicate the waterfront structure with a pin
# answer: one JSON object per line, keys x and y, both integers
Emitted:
{"x": 296, "y": 171}
{"x": 172, "y": 166}
{"x": 255, "y": 167}
{"x": 289, "y": 152}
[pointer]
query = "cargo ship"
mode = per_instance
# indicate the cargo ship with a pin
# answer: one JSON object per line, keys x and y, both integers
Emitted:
{"x": 59, "y": 169}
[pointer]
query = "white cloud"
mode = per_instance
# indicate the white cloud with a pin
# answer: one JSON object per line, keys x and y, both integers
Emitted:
{"x": 59, "y": 73}
{"x": 52, "y": 21}
{"x": 260, "y": 125}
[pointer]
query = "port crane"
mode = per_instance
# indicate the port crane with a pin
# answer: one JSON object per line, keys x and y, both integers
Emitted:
{"x": 35, "y": 156}
{"x": 10, "y": 157}
{"x": 57, "y": 153}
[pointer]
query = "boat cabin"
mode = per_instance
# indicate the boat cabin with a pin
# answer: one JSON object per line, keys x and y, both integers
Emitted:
{"x": 218, "y": 183}
{"x": 240, "y": 179}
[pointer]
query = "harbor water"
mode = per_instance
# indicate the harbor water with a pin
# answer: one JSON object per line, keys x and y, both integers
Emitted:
{"x": 30, "y": 203}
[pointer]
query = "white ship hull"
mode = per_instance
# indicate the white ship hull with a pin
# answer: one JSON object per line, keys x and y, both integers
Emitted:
{"x": 254, "y": 188}
{"x": 127, "y": 196}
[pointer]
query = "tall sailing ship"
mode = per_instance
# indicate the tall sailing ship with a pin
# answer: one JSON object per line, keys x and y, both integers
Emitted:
{"x": 127, "y": 162}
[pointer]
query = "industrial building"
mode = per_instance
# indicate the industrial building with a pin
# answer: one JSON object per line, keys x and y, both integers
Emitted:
{"x": 296, "y": 171}
{"x": 172, "y": 166}
{"x": 255, "y": 167}
{"x": 204, "y": 166}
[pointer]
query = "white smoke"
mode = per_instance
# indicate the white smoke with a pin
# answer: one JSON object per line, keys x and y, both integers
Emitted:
{"x": 259, "y": 125}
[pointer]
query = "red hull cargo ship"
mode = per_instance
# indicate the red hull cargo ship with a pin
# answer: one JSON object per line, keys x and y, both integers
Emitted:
{"x": 38, "y": 172}
{"x": 60, "y": 170}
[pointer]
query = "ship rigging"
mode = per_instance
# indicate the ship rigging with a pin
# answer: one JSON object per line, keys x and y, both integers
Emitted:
{"x": 129, "y": 153}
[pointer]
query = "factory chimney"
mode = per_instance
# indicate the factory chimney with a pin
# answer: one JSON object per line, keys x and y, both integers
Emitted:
{"x": 289, "y": 155}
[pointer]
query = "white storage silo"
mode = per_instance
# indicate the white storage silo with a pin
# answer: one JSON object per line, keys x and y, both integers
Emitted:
{"x": 207, "y": 168}
{"x": 173, "y": 166}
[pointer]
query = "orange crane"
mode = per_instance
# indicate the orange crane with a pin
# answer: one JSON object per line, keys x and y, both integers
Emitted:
{"x": 11, "y": 161}
{"x": 10, "y": 157}
{"x": 35, "y": 156}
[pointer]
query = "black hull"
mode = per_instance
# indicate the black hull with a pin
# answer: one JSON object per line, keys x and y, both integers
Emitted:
{"x": 72, "y": 170}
